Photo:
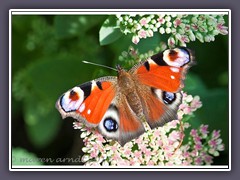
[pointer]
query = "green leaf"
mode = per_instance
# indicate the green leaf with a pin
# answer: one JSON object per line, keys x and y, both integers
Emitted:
{"x": 109, "y": 31}
{"x": 148, "y": 44}
{"x": 23, "y": 157}
{"x": 42, "y": 121}
{"x": 68, "y": 26}
{"x": 194, "y": 85}
{"x": 39, "y": 86}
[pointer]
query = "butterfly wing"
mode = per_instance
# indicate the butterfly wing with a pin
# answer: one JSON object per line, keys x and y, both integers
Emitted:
{"x": 165, "y": 70}
{"x": 120, "y": 122}
{"x": 88, "y": 102}
{"x": 98, "y": 104}
{"x": 160, "y": 79}
{"x": 159, "y": 106}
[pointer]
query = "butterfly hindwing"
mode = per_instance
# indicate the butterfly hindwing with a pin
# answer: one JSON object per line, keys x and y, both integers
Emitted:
{"x": 160, "y": 106}
{"x": 120, "y": 122}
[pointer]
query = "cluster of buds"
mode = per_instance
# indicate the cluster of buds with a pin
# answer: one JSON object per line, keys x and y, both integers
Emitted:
{"x": 181, "y": 28}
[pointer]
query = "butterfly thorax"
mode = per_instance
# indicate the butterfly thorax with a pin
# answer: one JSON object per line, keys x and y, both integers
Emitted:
{"x": 129, "y": 91}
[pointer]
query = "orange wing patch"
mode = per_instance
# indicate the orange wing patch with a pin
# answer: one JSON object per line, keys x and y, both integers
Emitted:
{"x": 128, "y": 121}
{"x": 166, "y": 78}
{"x": 155, "y": 109}
{"x": 97, "y": 103}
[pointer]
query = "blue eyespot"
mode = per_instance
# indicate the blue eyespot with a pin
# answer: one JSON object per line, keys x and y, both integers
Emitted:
{"x": 168, "y": 97}
{"x": 110, "y": 124}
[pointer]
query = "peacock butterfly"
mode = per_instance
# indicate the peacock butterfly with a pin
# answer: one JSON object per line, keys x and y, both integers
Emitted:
{"x": 118, "y": 106}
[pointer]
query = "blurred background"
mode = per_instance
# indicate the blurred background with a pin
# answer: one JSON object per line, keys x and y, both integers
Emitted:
{"x": 47, "y": 55}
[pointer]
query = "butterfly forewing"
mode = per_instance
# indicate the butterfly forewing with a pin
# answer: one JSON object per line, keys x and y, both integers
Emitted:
{"x": 165, "y": 70}
{"x": 88, "y": 102}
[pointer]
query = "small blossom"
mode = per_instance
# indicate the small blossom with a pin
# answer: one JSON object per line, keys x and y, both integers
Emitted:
{"x": 212, "y": 38}
{"x": 168, "y": 24}
{"x": 162, "y": 30}
{"x": 194, "y": 19}
{"x": 222, "y": 29}
{"x": 212, "y": 143}
{"x": 180, "y": 114}
{"x": 196, "y": 103}
{"x": 186, "y": 27}
{"x": 194, "y": 27}
{"x": 177, "y": 22}
{"x": 137, "y": 26}
{"x": 198, "y": 147}
{"x": 193, "y": 132}
{"x": 135, "y": 39}
{"x": 204, "y": 130}
{"x": 208, "y": 159}
{"x": 174, "y": 135}
{"x": 142, "y": 33}
{"x": 198, "y": 161}
{"x": 143, "y": 21}
{"x": 149, "y": 33}
{"x": 161, "y": 20}
{"x": 188, "y": 98}
{"x": 199, "y": 37}
{"x": 191, "y": 36}
{"x": 220, "y": 147}
{"x": 168, "y": 30}
{"x": 168, "y": 18}
{"x": 197, "y": 139}
{"x": 171, "y": 42}
{"x": 157, "y": 25}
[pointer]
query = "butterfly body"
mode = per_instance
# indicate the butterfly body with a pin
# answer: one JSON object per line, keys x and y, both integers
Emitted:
{"x": 117, "y": 106}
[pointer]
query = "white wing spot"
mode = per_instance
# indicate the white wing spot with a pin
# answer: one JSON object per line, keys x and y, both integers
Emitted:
{"x": 150, "y": 61}
{"x": 89, "y": 111}
{"x": 173, "y": 69}
{"x": 82, "y": 107}
{"x": 94, "y": 85}
{"x": 172, "y": 77}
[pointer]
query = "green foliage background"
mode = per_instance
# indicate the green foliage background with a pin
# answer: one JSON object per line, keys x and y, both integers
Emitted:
{"x": 47, "y": 55}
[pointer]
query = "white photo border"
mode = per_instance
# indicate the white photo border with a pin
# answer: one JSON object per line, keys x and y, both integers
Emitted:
{"x": 111, "y": 12}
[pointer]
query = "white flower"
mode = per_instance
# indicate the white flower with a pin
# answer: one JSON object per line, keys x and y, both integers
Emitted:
{"x": 162, "y": 30}
{"x": 135, "y": 39}
{"x": 149, "y": 33}
{"x": 168, "y": 30}
{"x": 169, "y": 24}
{"x": 158, "y": 24}
{"x": 168, "y": 18}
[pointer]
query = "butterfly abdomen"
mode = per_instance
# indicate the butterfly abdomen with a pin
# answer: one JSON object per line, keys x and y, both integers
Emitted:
{"x": 129, "y": 90}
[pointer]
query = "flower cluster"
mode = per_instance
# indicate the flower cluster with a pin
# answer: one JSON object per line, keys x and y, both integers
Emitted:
{"x": 159, "y": 146}
{"x": 181, "y": 28}
{"x": 202, "y": 146}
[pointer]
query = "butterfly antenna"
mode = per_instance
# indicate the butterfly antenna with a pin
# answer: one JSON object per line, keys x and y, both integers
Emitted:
{"x": 87, "y": 62}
